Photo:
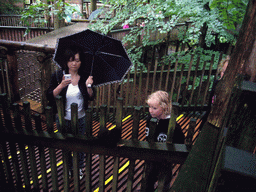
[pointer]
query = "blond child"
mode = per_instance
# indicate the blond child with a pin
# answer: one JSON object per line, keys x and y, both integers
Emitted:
{"x": 160, "y": 107}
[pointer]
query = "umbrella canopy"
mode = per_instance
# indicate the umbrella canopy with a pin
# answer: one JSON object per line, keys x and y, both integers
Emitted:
{"x": 105, "y": 58}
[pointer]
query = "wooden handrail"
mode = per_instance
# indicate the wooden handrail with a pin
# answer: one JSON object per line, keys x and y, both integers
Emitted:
{"x": 27, "y": 46}
{"x": 175, "y": 153}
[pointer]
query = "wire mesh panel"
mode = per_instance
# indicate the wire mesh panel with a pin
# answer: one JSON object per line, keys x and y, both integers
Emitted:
{"x": 29, "y": 75}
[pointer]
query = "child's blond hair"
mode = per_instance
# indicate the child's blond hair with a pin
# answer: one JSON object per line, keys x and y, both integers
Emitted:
{"x": 164, "y": 100}
{"x": 223, "y": 66}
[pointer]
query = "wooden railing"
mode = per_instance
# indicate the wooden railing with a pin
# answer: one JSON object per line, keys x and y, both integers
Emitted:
{"x": 34, "y": 155}
{"x": 26, "y": 70}
{"x": 19, "y": 33}
{"x": 14, "y": 29}
{"x": 15, "y": 21}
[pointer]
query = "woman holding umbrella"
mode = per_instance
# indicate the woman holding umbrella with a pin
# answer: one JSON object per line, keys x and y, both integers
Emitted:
{"x": 74, "y": 88}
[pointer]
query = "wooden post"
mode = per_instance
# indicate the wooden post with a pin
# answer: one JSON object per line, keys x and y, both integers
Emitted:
{"x": 27, "y": 114}
{"x": 173, "y": 80}
{"x": 6, "y": 163}
{"x": 135, "y": 130}
{"x": 180, "y": 80}
{"x": 17, "y": 118}
{"x": 119, "y": 115}
{"x": 140, "y": 85}
{"x": 63, "y": 129}
{"x": 49, "y": 119}
{"x": 136, "y": 120}
{"x": 38, "y": 125}
{"x": 13, "y": 75}
{"x": 60, "y": 109}
{"x": 171, "y": 127}
{"x": 191, "y": 130}
{"x": 6, "y": 111}
{"x": 88, "y": 129}
{"x": 152, "y": 128}
{"x": 184, "y": 95}
{"x": 74, "y": 128}
{"x": 45, "y": 61}
{"x": 194, "y": 80}
{"x": 24, "y": 165}
{"x": 49, "y": 122}
{"x": 93, "y": 5}
{"x": 103, "y": 116}
{"x": 41, "y": 154}
{"x": 103, "y": 129}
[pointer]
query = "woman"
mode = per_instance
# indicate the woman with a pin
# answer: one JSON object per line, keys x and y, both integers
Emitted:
{"x": 76, "y": 89}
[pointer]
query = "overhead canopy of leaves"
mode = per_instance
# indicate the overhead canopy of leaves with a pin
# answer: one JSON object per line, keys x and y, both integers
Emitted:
{"x": 146, "y": 18}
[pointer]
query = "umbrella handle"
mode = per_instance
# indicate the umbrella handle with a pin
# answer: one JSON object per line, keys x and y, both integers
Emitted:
{"x": 92, "y": 66}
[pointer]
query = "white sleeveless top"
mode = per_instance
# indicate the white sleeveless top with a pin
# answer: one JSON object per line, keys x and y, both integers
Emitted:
{"x": 74, "y": 95}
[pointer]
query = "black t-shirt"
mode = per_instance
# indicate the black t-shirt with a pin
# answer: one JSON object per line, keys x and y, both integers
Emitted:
{"x": 162, "y": 129}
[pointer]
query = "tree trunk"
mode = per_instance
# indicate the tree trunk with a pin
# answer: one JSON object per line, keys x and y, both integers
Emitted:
{"x": 238, "y": 58}
{"x": 203, "y": 30}
{"x": 58, "y": 23}
{"x": 93, "y": 5}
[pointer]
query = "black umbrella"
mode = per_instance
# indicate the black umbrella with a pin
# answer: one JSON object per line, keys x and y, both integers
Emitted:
{"x": 106, "y": 58}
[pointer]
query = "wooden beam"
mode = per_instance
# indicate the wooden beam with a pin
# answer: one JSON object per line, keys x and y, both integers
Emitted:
{"x": 27, "y": 46}
{"x": 160, "y": 152}
{"x": 195, "y": 171}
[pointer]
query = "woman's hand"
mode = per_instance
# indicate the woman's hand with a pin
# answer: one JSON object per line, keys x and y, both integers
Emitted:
{"x": 89, "y": 81}
{"x": 64, "y": 83}
{"x": 88, "y": 84}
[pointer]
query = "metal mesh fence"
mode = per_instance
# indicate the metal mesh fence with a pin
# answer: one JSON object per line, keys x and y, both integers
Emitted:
{"x": 29, "y": 75}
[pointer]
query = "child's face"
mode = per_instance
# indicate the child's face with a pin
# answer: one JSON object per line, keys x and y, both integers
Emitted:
{"x": 155, "y": 109}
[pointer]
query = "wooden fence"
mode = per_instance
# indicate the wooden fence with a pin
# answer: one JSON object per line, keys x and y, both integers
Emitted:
{"x": 12, "y": 28}
{"x": 15, "y": 21}
{"x": 19, "y": 33}
{"x": 34, "y": 155}
{"x": 26, "y": 70}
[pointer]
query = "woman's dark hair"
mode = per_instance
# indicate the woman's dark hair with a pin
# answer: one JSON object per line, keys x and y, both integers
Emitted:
{"x": 70, "y": 53}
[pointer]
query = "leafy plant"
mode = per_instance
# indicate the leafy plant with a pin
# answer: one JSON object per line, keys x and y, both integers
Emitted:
{"x": 148, "y": 21}
{"x": 40, "y": 12}
{"x": 9, "y": 7}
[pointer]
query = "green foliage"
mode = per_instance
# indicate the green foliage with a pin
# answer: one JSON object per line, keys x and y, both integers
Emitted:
{"x": 9, "y": 7}
{"x": 40, "y": 12}
{"x": 232, "y": 11}
{"x": 147, "y": 21}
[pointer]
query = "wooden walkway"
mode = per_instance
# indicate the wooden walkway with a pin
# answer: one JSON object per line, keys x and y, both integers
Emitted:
{"x": 183, "y": 120}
